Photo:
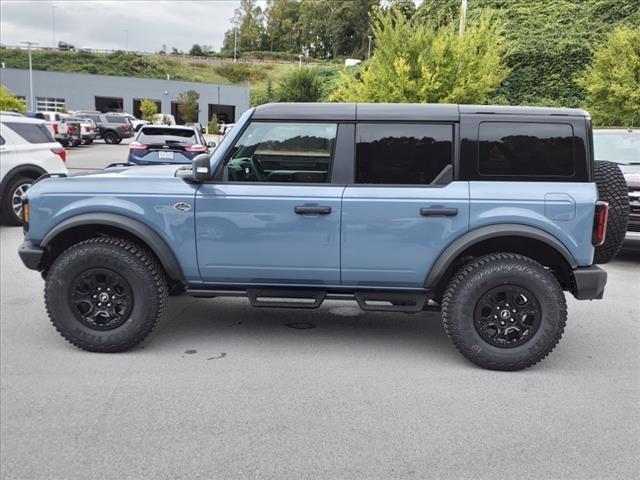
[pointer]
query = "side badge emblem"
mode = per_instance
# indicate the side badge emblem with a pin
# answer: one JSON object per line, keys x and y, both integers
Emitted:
{"x": 183, "y": 207}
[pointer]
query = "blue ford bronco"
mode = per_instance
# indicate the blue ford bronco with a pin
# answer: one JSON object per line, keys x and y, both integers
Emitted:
{"x": 484, "y": 213}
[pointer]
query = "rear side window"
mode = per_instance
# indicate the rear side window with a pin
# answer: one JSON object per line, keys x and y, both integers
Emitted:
{"x": 116, "y": 119}
{"x": 522, "y": 149}
{"x": 402, "y": 154}
{"x": 31, "y": 132}
{"x": 167, "y": 135}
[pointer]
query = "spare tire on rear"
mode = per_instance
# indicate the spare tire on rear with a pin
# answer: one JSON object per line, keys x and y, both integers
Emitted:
{"x": 612, "y": 188}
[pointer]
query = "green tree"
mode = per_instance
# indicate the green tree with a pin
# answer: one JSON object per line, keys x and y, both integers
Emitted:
{"x": 196, "y": 51}
{"x": 406, "y": 7}
{"x": 613, "y": 80}
{"x": 282, "y": 26}
{"x": 188, "y": 106}
{"x": 148, "y": 109}
{"x": 9, "y": 102}
{"x": 248, "y": 22}
{"x": 300, "y": 85}
{"x": 425, "y": 62}
{"x": 213, "y": 128}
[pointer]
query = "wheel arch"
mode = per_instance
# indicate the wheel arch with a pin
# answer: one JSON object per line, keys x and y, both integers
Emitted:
{"x": 522, "y": 239}
{"x": 85, "y": 226}
{"x": 28, "y": 170}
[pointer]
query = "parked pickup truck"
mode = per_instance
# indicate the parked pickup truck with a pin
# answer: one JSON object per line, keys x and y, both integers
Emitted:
{"x": 111, "y": 127}
{"x": 484, "y": 213}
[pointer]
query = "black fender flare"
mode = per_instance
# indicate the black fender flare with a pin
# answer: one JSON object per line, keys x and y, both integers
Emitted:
{"x": 473, "y": 237}
{"x": 146, "y": 234}
{"x": 27, "y": 168}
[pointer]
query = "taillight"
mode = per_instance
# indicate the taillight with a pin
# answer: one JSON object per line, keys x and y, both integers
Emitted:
{"x": 125, "y": 127}
{"x": 69, "y": 128}
{"x": 600, "y": 224}
{"x": 61, "y": 152}
{"x": 55, "y": 128}
{"x": 137, "y": 146}
{"x": 197, "y": 148}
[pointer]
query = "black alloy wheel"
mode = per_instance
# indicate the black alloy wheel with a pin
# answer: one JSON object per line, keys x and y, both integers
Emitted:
{"x": 101, "y": 299}
{"x": 507, "y": 316}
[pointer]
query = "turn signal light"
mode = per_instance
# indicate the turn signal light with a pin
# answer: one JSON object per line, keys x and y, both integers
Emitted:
{"x": 600, "y": 224}
{"x": 26, "y": 214}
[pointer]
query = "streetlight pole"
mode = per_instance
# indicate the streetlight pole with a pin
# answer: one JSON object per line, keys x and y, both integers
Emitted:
{"x": 31, "y": 103}
{"x": 300, "y": 61}
{"x": 369, "y": 49}
{"x": 53, "y": 23}
{"x": 463, "y": 16}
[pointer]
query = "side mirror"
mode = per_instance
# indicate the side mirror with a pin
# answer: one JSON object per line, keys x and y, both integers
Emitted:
{"x": 211, "y": 144}
{"x": 201, "y": 166}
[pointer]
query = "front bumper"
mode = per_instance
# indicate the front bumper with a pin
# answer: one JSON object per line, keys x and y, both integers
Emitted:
{"x": 30, "y": 254}
{"x": 589, "y": 283}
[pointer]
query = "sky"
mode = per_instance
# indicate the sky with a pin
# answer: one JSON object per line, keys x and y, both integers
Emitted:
{"x": 102, "y": 24}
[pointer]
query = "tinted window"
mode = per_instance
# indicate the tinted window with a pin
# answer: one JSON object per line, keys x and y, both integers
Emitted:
{"x": 283, "y": 152}
{"x": 526, "y": 149}
{"x": 31, "y": 132}
{"x": 1, "y": 140}
{"x": 116, "y": 119}
{"x": 167, "y": 135}
{"x": 402, "y": 154}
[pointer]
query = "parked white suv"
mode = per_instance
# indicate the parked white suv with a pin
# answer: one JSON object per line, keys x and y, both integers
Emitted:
{"x": 27, "y": 150}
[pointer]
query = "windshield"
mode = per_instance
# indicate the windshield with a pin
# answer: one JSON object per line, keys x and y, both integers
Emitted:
{"x": 622, "y": 147}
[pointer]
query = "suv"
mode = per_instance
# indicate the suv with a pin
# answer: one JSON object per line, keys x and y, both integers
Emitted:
{"x": 111, "y": 127}
{"x": 483, "y": 213}
{"x": 27, "y": 150}
{"x": 157, "y": 144}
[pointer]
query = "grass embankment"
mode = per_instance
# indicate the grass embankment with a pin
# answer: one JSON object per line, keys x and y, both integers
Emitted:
{"x": 258, "y": 75}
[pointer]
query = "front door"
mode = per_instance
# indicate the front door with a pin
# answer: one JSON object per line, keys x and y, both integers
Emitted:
{"x": 274, "y": 217}
{"x": 403, "y": 208}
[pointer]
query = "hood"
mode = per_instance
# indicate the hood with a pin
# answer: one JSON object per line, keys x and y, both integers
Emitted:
{"x": 134, "y": 171}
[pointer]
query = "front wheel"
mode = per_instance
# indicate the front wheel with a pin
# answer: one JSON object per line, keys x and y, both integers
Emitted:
{"x": 504, "y": 311}
{"x": 105, "y": 294}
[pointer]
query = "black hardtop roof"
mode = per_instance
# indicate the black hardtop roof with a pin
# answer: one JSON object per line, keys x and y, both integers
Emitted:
{"x": 396, "y": 111}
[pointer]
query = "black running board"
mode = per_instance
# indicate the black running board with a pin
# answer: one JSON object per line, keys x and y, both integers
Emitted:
{"x": 370, "y": 301}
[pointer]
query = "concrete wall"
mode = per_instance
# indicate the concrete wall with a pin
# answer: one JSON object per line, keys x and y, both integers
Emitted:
{"x": 80, "y": 90}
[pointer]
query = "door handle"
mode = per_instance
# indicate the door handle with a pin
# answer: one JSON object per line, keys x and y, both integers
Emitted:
{"x": 438, "y": 212}
{"x": 303, "y": 209}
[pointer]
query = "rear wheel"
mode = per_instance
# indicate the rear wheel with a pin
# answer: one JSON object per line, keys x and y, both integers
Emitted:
{"x": 612, "y": 188}
{"x": 105, "y": 294}
{"x": 12, "y": 200}
{"x": 110, "y": 137}
{"x": 504, "y": 311}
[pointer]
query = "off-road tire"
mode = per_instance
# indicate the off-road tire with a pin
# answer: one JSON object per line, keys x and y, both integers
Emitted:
{"x": 110, "y": 138}
{"x": 118, "y": 140}
{"x": 9, "y": 216}
{"x": 76, "y": 143}
{"x": 135, "y": 264}
{"x": 473, "y": 280}
{"x": 612, "y": 188}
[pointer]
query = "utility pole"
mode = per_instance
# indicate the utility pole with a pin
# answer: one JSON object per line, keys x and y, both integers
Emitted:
{"x": 53, "y": 23}
{"x": 235, "y": 43}
{"x": 31, "y": 102}
{"x": 463, "y": 16}
{"x": 369, "y": 49}
{"x": 300, "y": 61}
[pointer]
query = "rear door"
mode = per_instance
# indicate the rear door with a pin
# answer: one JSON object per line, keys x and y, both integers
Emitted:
{"x": 274, "y": 215}
{"x": 404, "y": 206}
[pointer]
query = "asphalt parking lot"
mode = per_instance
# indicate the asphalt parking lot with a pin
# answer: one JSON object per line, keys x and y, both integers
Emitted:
{"x": 221, "y": 390}
{"x": 96, "y": 156}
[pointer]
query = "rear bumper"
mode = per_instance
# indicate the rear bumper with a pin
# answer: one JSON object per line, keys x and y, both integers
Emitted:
{"x": 30, "y": 254}
{"x": 589, "y": 283}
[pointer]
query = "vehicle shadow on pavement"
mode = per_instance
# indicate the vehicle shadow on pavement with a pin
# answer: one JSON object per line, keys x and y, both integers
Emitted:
{"x": 190, "y": 323}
